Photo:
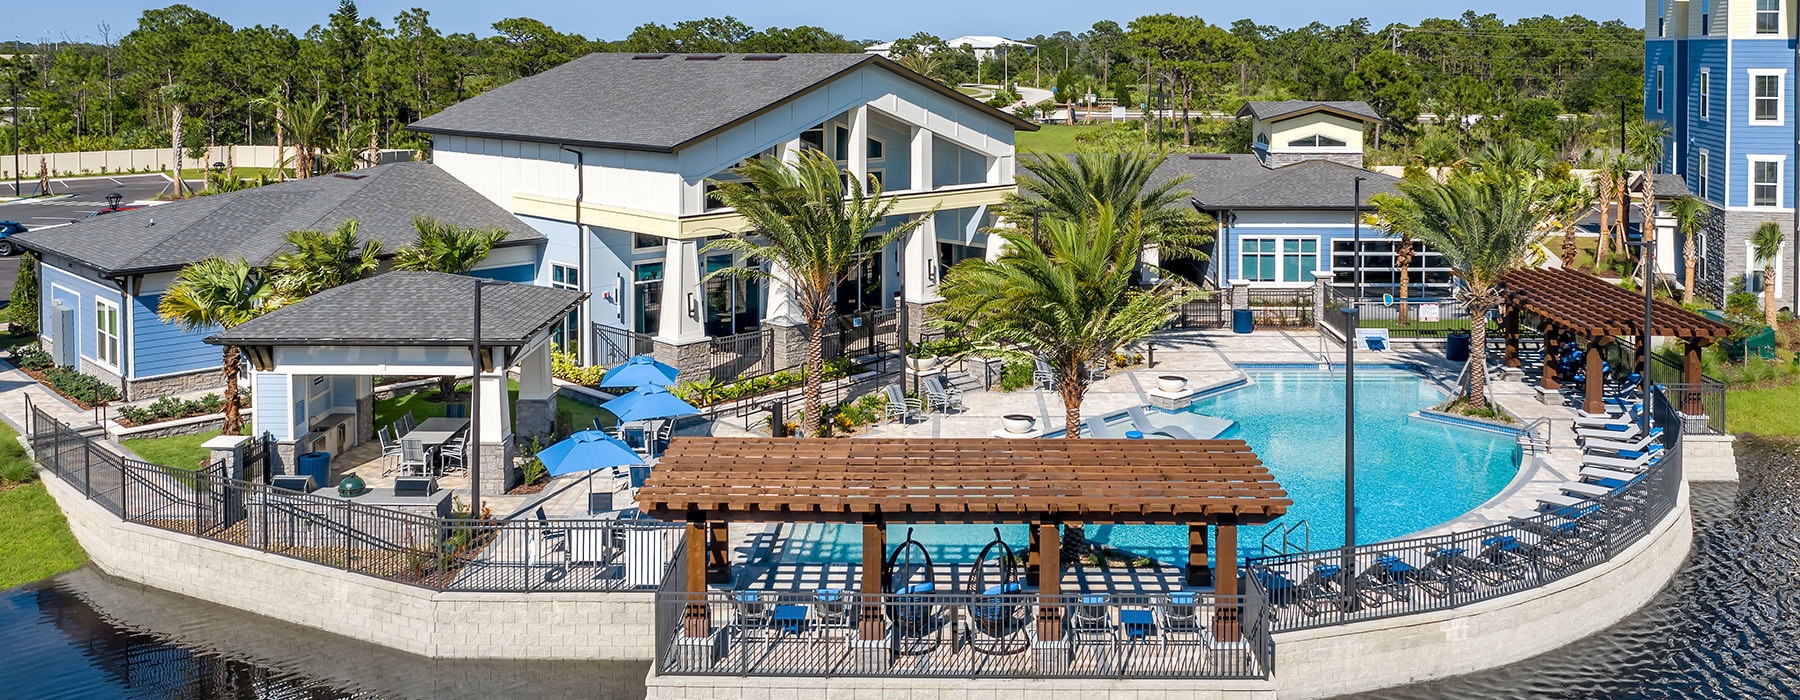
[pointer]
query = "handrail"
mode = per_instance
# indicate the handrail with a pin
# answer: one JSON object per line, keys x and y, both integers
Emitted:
{"x": 1528, "y": 435}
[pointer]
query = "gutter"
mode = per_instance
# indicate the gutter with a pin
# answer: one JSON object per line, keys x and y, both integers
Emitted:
{"x": 581, "y": 253}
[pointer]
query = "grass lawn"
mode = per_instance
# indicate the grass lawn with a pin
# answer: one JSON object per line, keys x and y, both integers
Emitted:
{"x": 424, "y": 404}
{"x": 1053, "y": 138}
{"x": 35, "y": 543}
{"x": 1767, "y": 411}
{"x": 176, "y": 451}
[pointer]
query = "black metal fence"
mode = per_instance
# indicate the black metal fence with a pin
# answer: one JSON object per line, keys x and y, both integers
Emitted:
{"x": 457, "y": 554}
{"x": 1282, "y": 308}
{"x": 1702, "y": 404}
{"x": 1187, "y": 635}
{"x": 615, "y": 345}
{"x": 1404, "y": 577}
{"x": 1206, "y": 311}
{"x": 1416, "y": 318}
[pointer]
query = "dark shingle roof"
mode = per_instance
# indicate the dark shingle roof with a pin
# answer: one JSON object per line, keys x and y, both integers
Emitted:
{"x": 1239, "y": 181}
{"x": 654, "y": 102}
{"x": 253, "y": 223}
{"x": 1276, "y": 110}
{"x": 407, "y": 308}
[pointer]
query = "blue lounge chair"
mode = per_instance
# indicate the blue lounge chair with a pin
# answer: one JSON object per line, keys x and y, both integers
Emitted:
{"x": 1609, "y": 477}
{"x": 1144, "y": 424}
{"x": 1454, "y": 565}
{"x": 1642, "y": 444}
{"x": 1324, "y": 589}
{"x": 1388, "y": 579}
{"x": 1631, "y": 464}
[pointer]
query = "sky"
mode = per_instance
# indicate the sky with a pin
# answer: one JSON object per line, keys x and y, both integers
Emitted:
{"x": 32, "y": 20}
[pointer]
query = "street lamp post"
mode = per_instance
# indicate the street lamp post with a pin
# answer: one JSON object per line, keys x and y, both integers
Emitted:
{"x": 1349, "y": 563}
{"x": 1358, "y": 252}
{"x": 16, "y": 145}
{"x": 1644, "y": 384}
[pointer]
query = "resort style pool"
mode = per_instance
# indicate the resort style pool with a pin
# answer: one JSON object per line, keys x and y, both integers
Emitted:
{"x": 1411, "y": 473}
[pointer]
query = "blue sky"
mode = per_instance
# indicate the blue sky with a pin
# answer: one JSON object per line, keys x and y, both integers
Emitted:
{"x": 613, "y": 19}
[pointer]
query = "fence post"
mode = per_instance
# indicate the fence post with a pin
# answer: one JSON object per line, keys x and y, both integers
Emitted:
{"x": 87, "y": 479}
{"x": 346, "y": 526}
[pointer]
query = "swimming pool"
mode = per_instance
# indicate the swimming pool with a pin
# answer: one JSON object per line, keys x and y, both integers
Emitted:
{"x": 1411, "y": 473}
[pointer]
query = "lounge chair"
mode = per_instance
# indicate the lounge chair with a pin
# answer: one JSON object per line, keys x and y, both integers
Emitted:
{"x": 1453, "y": 565}
{"x": 1631, "y": 464}
{"x": 899, "y": 405}
{"x": 1643, "y": 443}
{"x": 1513, "y": 554}
{"x": 1558, "y": 538}
{"x": 941, "y": 398}
{"x": 832, "y": 613}
{"x": 1177, "y": 613}
{"x": 914, "y": 617}
{"x": 1043, "y": 376}
{"x": 1143, "y": 423}
{"x": 1091, "y": 621}
{"x": 1324, "y": 589}
{"x": 1100, "y": 428}
{"x": 1627, "y": 431}
{"x": 999, "y": 621}
{"x": 1628, "y": 416}
{"x": 1390, "y": 579}
{"x": 1609, "y": 477}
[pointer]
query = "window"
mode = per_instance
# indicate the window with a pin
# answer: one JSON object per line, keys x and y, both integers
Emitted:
{"x": 1287, "y": 260}
{"x": 106, "y": 333}
{"x": 1259, "y": 259}
{"x": 645, "y": 240}
{"x": 877, "y": 149}
{"x": 813, "y": 138}
{"x": 1700, "y": 254}
{"x": 1659, "y": 88}
{"x": 1753, "y": 271}
{"x": 646, "y": 291}
{"x": 1316, "y": 141}
{"x": 880, "y": 178}
{"x": 1299, "y": 257}
{"x": 1768, "y": 16}
{"x": 1705, "y": 94}
{"x": 1765, "y": 96}
{"x": 1703, "y": 168}
{"x": 841, "y": 149}
{"x": 1765, "y": 183}
{"x": 567, "y": 334}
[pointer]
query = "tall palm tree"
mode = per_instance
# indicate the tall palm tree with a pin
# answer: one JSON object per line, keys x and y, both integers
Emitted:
{"x": 1566, "y": 198}
{"x": 219, "y": 293}
{"x": 446, "y": 248}
{"x": 1484, "y": 224}
{"x": 309, "y": 123}
{"x": 1610, "y": 181}
{"x": 1513, "y": 156}
{"x": 320, "y": 261}
{"x": 176, "y": 94}
{"x": 1072, "y": 188}
{"x": 1646, "y": 140}
{"x": 813, "y": 224}
{"x": 1765, "y": 246}
{"x": 1690, "y": 216}
{"x": 1396, "y": 216}
{"x": 1065, "y": 297}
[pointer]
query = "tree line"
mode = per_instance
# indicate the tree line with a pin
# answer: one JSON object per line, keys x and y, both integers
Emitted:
{"x": 366, "y": 78}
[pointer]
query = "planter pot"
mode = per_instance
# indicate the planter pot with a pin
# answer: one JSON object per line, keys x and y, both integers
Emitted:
{"x": 1017, "y": 423}
{"x": 921, "y": 364}
{"x": 1171, "y": 383}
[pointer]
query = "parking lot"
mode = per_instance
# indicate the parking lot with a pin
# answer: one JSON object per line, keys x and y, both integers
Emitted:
{"x": 75, "y": 198}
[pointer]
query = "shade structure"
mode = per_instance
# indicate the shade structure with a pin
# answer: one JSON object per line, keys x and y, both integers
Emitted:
{"x": 640, "y": 370}
{"x": 646, "y": 402}
{"x": 586, "y": 451}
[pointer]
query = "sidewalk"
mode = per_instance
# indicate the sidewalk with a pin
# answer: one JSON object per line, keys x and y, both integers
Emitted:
{"x": 16, "y": 385}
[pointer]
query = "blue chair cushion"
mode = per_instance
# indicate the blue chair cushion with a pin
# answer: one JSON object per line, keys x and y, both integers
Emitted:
{"x": 1002, "y": 589}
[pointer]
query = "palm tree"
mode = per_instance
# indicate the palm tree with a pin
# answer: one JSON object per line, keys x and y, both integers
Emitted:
{"x": 176, "y": 94}
{"x": 1513, "y": 156}
{"x": 309, "y": 123}
{"x": 1565, "y": 200}
{"x": 351, "y": 148}
{"x": 1690, "y": 216}
{"x": 219, "y": 293}
{"x": 812, "y": 224}
{"x": 1646, "y": 140}
{"x": 1396, "y": 216}
{"x": 1610, "y": 181}
{"x": 1484, "y": 225}
{"x": 320, "y": 261}
{"x": 924, "y": 62}
{"x": 445, "y": 248}
{"x": 1765, "y": 246}
{"x": 1065, "y": 297}
{"x": 1076, "y": 188}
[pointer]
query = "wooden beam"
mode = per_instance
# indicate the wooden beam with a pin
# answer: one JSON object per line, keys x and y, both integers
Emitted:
{"x": 1547, "y": 373}
{"x": 1225, "y": 585}
{"x": 1034, "y": 559}
{"x": 1199, "y": 564}
{"x": 1049, "y": 582}
{"x": 874, "y": 544}
{"x": 1511, "y": 328}
{"x": 696, "y": 621}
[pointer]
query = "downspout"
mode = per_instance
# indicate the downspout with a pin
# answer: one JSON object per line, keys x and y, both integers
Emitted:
{"x": 581, "y": 252}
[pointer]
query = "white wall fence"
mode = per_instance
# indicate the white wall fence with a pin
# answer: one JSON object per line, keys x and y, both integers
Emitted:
{"x": 156, "y": 160}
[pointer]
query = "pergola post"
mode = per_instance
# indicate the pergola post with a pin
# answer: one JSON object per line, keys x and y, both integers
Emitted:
{"x": 1199, "y": 566}
{"x": 695, "y": 620}
{"x": 1552, "y": 344}
{"x": 1594, "y": 390}
{"x": 1033, "y": 563}
{"x": 1690, "y": 376}
{"x": 1050, "y": 628}
{"x": 869, "y": 625}
{"x": 718, "y": 552}
{"x": 1512, "y": 335}
{"x": 1225, "y": 582}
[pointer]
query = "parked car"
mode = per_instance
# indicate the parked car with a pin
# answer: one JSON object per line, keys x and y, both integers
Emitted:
{"x": 7, "y": 229}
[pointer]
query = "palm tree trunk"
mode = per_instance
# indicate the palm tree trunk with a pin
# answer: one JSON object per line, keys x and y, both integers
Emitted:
{"x": 280, "y": 145}
{"x": 1769, "y": 294}
{"x": 1073, "y": 386}
{"x": 1568, "y": 248}
{"x": 446, "y": 388}
{"x": 815, "y": 372}
{"x": 175, "y": 138}
{"x": 1476, "y": 373}
{"x": 1687, "y": 253}
{"x": 234, "y": 404}
{"x": 1406, "y": 256}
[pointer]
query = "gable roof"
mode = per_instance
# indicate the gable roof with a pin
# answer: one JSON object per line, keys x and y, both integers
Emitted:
{"x": 1240, "y": 181}
{"x": 253, "y": 224}
{"x": 1266, "y": 111}
{"x": 657, "y": 102}
{"x": 408, "y": 308}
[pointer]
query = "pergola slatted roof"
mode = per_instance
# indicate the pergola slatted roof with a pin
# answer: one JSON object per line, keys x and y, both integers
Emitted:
{"x": 763, "y": 479}
{"x": 1588, "y": 305}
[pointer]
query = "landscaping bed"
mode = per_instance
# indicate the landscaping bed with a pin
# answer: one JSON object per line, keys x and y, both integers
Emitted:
{"x": 169, "y": 408}
{"x": 85, "y": 390}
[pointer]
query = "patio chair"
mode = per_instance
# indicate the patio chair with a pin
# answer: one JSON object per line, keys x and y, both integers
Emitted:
{"x": 660, "y": 441}
{"x": 1644, "y": 443}
{"x": 1091, "y": 621}
{"x": 941, "y": 400}
{"x": 1177, "y": 613}
{"x": 914, "y": 618}
{"x": 405, "y": 424}
{"x": 1324, "y": 589}
{"x": 1628, "y": 416}
{"x": 1609, "y": 477}
{"x": 899, "y": 405}
{"x": 1629, "y": 464}
{"x": 1043, "y": 376}
{"x": 543, "y": 540}
{"x": 1389, "y": 579}
{"x": 831, "y": 614}
{"x": 453, "y": 453}
{"x": 1100, "y": 428}
{"x": 390, "y": 450}
{"x": 413, "y": 458}
{"x": 999, "y": 621}
{"x": 755, "y": 619}
{"x": 1453, "y": 563}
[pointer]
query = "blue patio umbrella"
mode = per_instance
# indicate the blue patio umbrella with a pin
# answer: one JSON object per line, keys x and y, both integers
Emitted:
{"x": 640, "y": 370}
{"x": 586, "y": 451}
{"x": 646, "y": 402}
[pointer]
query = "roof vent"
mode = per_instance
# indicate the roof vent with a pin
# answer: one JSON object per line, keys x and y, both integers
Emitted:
{"x": 1208, "y": 156}
{"x": 349, "y": 176}
{"x": 765, "y": 57}
{"x": 705, "y": 57}
{"x": 649, "y": 57}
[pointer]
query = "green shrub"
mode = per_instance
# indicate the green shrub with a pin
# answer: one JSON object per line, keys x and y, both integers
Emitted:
{"x": 171, "y": 408}
{"x": 533, "y": 468}
{"x": 1016, "y": 376}
{"x": 22, "y": 312}
{"x": 81, "y": 388}
{"x": 564, "y": 367}
{"x": 31, "y": 356}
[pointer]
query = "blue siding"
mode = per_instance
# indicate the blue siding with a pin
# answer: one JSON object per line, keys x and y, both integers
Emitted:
{"x": 526, "y": 274}
{"x": 1746, "y": 139}
{"x": 78, "y": 293}
{"x": 954, "y": 165}
{"x": 159, "y": 348}
{"x": 1234, "y": 264}
{"x": 271, "y": 405}
{"x": 1709, "y": 135}
{"x": 896, "y": 161}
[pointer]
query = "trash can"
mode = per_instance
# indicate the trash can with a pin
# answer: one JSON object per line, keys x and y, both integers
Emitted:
{"x": 1242, "y": 321}
{"x": 316, "y": 465}
{"x": 1456, "y": 347}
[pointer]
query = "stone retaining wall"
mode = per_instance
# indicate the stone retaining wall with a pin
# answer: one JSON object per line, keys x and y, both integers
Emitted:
{"x": 1709, "y": 457}
{"x": 615, "y": 626}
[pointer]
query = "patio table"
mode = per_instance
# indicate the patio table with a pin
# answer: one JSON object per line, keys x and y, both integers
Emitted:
{"x": 434, "y": 432}
{"x": 789, "y": 617}
{"x": 1138, "y": 623}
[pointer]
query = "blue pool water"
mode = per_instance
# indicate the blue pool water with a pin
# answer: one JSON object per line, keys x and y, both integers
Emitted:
{"x": 1411, "y": 473}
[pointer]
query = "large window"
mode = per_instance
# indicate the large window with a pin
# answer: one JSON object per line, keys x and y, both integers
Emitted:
{"x": 1768, "y": 16}
{"x": 646, "y": 298}
{"x": 733, "y": 304}
{"x": 1284, "y": 260}
{"x": 1765, "y": 183}
{"x": 1765, "y": 97}
{"x": 813, "y": 138}
{"x": 1258, "y": 263}
{"x": 1427, "y": 274}
{"x": 106, "y": 333}
{"x": 1316, "y": 141}
{"x": 567, "y": 334}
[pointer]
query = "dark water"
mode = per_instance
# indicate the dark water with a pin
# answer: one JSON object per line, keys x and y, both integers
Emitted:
{"x": 84, "y": 635}
{"x": 1727, "y": 627}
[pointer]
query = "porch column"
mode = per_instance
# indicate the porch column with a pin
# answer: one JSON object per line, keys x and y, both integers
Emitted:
{"x": 1225, "y": 582}
{"x": 1690, "y": 375}
{"x": 870, "y": 625}
{"x": 1594, "y": 390}
{"x": 680, "y": 322}
{"x": 789, "y": 152}
{"x": 718, "y": 553}
{"x": 498, "y": 474}
{"x": 1547, "y": 372}
{"x": 537, "y": 395}
{"x": 696, "y": 622}
{"x": 919, "y": 144}
{"x": 1512, "y": 335}
{"x": 1199, "y": 566}
{"x": 858, "y": 149}
{"x": 1050, "y": 605}
{"x": 920, "y": 264}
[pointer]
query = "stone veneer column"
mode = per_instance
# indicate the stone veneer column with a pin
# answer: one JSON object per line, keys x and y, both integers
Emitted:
{"x": 498, "y": 473}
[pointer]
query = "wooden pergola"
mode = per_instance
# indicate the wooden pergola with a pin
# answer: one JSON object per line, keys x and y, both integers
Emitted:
{"x": 712, "y": 482}
{"x": 1576, "y": 302}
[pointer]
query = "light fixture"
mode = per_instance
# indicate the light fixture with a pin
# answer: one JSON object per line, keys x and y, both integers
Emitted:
{"x": 693, "y": 307}
{"x": 113, "y": 199}
{"x": 931, "y": 269}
